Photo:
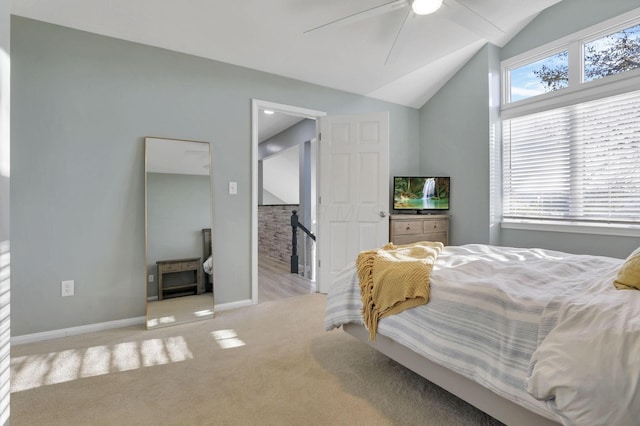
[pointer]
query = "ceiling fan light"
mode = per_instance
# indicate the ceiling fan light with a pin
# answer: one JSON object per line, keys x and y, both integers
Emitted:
{"x": 425, "y": 7}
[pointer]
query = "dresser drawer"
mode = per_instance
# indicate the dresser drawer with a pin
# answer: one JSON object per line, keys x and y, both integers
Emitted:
{"x": 436, "y": 236}
{"x": 188, "y": 266}
{"x": 172, "y": 267}
{"x": 407, "y": 228}
{"x": 434, "y": 225}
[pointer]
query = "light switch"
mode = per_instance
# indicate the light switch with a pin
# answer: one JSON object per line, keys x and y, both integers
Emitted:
{"x": 67, "y": 288}
{"x": 233, "y": 188}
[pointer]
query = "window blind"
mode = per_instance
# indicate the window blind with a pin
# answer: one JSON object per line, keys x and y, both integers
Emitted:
{"x": 576, "y": 163}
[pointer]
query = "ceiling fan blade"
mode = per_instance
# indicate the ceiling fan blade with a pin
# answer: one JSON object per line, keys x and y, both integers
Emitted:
{"x": 466, "y": 17}
{"x": 368, "y": 13}
{"x": 399, "y": 40}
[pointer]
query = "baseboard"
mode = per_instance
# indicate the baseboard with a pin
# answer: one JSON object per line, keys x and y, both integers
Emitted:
{"x": 233, "y": 305}
{"x": 72, "y": 331}
{"x": 56, "y": 334}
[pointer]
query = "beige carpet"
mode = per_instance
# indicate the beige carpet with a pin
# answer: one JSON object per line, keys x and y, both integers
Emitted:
{"x": 269, "y": 364}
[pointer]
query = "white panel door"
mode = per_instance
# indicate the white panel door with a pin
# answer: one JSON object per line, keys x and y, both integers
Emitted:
{"x": 354, "y": 190}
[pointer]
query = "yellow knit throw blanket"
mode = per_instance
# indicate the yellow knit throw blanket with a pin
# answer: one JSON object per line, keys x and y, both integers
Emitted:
{"x": 394, "y": 278}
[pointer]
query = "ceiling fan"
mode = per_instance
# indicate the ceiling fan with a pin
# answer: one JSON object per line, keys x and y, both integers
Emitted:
{"x": 449, "y": 9}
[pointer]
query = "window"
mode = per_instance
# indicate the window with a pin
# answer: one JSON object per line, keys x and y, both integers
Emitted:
{"x": 612, "y": 54}
{"x": 571, "y": 130}
{"x": 583, "y": 58}
{"x": 542, "y": 76}
{"x": 577, "y": 163}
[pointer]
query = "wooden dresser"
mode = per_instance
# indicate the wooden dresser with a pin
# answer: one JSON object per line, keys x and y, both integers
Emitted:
{"x": 411, "y": 228}
{"x": 193, "y": 264}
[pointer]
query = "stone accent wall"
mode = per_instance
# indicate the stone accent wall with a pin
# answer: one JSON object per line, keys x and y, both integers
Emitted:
{"x": 274, "y": 232}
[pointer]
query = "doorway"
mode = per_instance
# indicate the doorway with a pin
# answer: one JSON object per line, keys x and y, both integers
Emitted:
{"x": 296, "y": 120}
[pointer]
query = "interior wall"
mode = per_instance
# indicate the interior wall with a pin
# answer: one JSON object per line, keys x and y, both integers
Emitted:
{"x": 455, "y": 128}
{"x": 274, "y": 232}
{"x": 458, "y": 124}
{"x": 300, "y": 132}
{"x": 5, "y": 252}
{"x": 281, "y": 177}
{"x": 562, "y": 19}
{"x": 82, "y": 105}
{"x": 299, "y": 169}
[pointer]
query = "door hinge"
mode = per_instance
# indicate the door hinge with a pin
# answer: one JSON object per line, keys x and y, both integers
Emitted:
{"x": 320, "y": 137}
{"x": 319, "y": 263}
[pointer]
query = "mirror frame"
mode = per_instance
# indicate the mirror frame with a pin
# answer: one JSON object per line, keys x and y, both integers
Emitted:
{"x": 154, "y": 139}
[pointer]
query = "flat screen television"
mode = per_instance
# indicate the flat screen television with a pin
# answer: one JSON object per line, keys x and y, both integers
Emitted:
{"x": 421, "y": 193}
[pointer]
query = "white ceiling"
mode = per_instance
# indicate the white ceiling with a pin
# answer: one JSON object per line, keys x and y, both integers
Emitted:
{"x": 270, "y": 125}
{"x": 269, "y": 36}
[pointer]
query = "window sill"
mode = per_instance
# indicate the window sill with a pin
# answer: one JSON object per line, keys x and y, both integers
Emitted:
{"x": 573, "y": 227}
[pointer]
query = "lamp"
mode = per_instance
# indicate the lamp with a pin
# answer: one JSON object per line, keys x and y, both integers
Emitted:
{"x": 425, "y": 7}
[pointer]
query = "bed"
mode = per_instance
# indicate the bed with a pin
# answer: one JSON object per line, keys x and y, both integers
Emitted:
{"x": 530, "y": 336}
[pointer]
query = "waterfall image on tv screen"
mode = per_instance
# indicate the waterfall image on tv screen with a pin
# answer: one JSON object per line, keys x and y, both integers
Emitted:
{"x": 421, "y": 193}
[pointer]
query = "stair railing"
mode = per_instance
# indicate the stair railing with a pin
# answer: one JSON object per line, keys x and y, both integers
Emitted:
{"x": 295, "y": 224}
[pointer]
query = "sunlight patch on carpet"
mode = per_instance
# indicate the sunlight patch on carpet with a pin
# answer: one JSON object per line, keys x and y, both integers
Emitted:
{"x": 33, "y": 371}
{"x": 227, "y": 339}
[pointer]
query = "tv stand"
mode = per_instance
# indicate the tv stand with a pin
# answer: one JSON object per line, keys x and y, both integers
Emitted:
{"x": 411, "y": 228}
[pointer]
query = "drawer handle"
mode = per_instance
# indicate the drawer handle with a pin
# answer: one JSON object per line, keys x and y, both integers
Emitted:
{"x": 408, "y": 227}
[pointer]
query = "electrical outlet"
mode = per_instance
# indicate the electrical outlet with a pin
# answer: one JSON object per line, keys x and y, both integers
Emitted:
{"x": 150, "y": 278}
{"x": 67, "y": 288}
{"x": 233, "y": 188}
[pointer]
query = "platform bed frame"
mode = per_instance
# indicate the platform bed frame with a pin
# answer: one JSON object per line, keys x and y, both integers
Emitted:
{"x": 475, "y": 394}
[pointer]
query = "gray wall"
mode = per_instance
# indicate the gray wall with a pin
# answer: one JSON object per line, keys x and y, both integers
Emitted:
{"x": 455, "y": 133}
{"x": 296, "y": 135}
{"x": 454, "y": 127}
{"x": 5, "y": 294}
{"x": 178, "y": 207}
{"x": 82, "y": 104}
{"x": 564, "y": 18}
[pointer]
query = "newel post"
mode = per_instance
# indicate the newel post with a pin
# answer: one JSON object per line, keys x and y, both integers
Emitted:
{"x": 294, "y": 242}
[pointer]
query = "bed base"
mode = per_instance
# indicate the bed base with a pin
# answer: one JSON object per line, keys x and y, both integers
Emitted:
{"x": 475, "y": 394}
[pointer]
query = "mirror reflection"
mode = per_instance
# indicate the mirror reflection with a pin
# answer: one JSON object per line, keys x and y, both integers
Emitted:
{"x": 178, "y": 231}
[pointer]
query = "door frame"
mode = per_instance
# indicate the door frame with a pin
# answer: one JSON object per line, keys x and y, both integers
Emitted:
{"x": 256, "y": 105}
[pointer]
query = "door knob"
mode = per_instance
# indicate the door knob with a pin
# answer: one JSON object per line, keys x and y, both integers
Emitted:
{"x": 383, "y": 214}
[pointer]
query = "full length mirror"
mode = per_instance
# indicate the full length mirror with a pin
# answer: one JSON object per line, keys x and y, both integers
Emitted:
{"x": 179, "y": 262}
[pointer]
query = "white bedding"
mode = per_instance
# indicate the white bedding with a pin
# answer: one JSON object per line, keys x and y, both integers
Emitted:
{"x": 588, "y": 366}
{"x": 208, "y": 265}
{"x": 491, "y": 309}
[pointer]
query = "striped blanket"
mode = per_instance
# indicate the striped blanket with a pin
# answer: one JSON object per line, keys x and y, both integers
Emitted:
{"x": 490, "y": 307}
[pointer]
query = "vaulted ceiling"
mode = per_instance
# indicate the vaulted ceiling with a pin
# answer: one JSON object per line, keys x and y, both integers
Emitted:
{"x": 270, "y": 36}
